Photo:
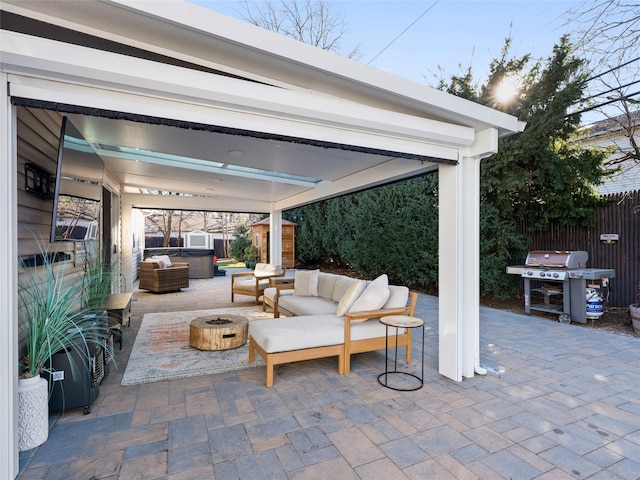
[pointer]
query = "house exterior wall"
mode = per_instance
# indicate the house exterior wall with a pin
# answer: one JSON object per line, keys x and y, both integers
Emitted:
{"x": 38, "y": 138}
{"x": 37, "y": 142}
{"x": 614, "y": 139}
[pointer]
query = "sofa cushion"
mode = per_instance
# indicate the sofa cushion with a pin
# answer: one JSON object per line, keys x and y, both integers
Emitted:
{"x": 270, "y": 293}
{"x": 350, "y": 296}
{"x": 301, "y": 306}
{"x": 266, "y": 270}
{"x": 398, "y": 296}
{"x": 374, "y": 296}
{"x": 296, "y": 333}
{"x": 306, "y": 283}
{"x": 326, "y": 284}
{"x": 371, "y": 328}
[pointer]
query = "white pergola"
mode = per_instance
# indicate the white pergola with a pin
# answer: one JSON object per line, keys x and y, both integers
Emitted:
{"x": 254, "y": 122}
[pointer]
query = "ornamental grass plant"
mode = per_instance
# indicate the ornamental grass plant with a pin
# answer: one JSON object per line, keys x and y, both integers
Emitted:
{"x": 55, "y": 318}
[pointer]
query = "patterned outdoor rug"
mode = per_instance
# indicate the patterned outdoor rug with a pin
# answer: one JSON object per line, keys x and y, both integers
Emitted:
{"x": 161, "y": 350}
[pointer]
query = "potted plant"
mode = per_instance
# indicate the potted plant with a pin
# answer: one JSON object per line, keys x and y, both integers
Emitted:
{"x": 54, "y": 321}
{"x": 251, "y": 256}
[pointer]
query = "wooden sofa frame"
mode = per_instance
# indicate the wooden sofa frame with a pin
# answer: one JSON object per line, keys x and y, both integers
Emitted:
{"x": 345, "y": 350}
{"x": 282, "y": 283}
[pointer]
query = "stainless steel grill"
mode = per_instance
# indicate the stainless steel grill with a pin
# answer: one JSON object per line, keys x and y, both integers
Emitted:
{"x": 559, "y": 279}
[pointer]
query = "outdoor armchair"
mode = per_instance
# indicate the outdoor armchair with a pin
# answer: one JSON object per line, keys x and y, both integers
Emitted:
{"x": 157, "y": 278}
{"x": 253, "y": 283}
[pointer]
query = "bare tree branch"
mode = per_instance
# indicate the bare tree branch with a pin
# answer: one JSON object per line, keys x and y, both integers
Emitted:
{"x": 309, "y": 21}
{"x": 610, "y": 39}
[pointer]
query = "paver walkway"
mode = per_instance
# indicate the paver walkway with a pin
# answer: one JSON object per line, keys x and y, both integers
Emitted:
{"x": 559, "y": 402}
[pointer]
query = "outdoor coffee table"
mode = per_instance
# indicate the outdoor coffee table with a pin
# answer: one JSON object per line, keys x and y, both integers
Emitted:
{"x": 218, "y": 332}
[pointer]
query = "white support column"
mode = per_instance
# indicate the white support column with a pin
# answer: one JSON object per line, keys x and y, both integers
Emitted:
{"x": 126, "y": 246}
{"x": 459, "y": 260}
{"x": 8, "y": 286}
{"x": 275, "y": 233}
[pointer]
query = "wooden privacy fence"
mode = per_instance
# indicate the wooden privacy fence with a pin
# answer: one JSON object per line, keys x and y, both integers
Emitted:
{"x": 620, "y": 216}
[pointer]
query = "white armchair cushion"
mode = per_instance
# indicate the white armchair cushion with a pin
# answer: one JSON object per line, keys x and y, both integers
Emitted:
{"x": 163, "y": 259}
{"x": 249, "y": 285}
{"x": 306, "y": 283}
{"x": 266, "y": 270}
{"x": 351, "y": 295}
{"x": 374, "y": 297}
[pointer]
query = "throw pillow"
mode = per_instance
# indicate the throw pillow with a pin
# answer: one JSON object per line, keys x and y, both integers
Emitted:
{"x": 350, "y": 296}
{"x": 305, "y": 283}
{"x": 374, "y": 296}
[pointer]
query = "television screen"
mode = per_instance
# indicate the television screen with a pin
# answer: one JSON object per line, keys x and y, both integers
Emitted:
{"x": 78, "y": 188}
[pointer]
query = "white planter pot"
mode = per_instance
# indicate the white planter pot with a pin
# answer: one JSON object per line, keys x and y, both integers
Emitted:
{"x": 33, "y": 412}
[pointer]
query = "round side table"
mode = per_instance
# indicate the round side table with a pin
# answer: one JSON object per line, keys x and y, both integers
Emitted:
{"x": 400, "y": 321}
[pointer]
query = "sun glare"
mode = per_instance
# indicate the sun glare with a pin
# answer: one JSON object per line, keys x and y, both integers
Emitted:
{"x": 507, "y": 90}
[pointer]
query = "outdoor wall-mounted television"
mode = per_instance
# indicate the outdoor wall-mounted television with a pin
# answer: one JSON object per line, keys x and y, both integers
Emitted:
{"x": 78, "y": 188}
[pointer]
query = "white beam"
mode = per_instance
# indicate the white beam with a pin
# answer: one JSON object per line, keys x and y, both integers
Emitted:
{"x": 398, "y": 169}
{"x": 8, "y": 283}
{"x": 212, "y": 204}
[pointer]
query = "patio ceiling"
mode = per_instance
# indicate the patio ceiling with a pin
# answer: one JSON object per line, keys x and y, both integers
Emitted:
{"x": 227, "y": 171}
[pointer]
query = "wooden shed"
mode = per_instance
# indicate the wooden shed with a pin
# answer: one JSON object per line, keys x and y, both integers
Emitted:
{"x": 260, "y": 238}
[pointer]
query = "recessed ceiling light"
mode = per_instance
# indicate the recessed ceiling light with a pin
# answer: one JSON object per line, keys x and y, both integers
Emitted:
{"x": 235, "y": 153}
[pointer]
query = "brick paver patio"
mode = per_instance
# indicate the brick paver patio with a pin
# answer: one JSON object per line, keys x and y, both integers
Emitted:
{"x": 559, "y": 401}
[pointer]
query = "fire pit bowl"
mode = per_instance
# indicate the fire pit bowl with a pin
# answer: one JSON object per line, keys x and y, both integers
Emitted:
{"x": 218, "y": 332}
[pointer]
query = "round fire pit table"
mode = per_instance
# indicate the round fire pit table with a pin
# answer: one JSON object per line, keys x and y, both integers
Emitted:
{"x": 218, "y": 332}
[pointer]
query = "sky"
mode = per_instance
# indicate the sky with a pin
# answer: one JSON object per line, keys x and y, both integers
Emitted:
{"x": 451, "y": 35}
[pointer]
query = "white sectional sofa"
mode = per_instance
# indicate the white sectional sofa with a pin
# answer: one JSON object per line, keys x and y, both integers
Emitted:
{"x": 328, "y": 315}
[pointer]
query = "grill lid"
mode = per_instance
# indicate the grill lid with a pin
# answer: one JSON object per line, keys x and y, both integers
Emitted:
{"x": 557, "y": 259}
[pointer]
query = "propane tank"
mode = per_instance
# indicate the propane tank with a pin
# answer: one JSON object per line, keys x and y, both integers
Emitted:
{"x": 595, "y": 308}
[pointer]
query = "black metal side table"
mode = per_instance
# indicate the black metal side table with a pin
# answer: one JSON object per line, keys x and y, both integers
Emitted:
{"x": 400, "y": 321}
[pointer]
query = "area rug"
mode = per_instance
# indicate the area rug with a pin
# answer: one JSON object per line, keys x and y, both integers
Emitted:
{"x": 161, "y": 350}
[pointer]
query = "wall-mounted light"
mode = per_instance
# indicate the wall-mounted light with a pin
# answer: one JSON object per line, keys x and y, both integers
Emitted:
{"x": 609, "y": 238}
{"x": 38, "y": 181}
